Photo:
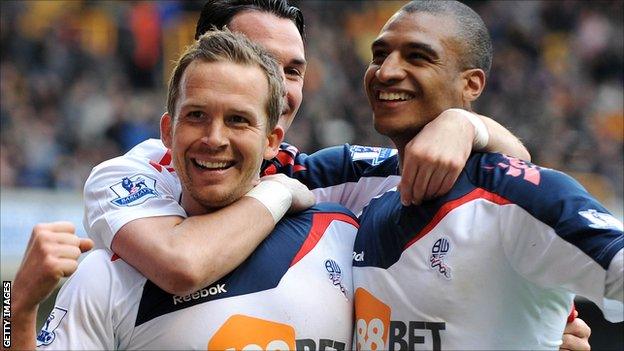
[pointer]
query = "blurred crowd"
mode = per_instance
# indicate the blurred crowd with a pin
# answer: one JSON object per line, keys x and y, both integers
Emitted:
{"x": 84, "y": 81}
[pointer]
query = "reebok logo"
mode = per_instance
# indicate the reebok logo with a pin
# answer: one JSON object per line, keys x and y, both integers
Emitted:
{"x": 358, "y": 257}
{"x": 205, "y": 292}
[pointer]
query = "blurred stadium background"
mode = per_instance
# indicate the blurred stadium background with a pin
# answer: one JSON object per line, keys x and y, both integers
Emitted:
{"x": 84, "y": 81}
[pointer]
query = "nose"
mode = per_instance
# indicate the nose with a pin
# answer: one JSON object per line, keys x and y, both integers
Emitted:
{"x": 215, "y": 135}
{"x": 391, "y": 70}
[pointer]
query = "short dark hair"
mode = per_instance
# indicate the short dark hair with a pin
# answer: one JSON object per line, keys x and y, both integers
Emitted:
{"x": 226, "y": 46}
{"x": 219, "y": 13}
{"x": 472, "y": 33}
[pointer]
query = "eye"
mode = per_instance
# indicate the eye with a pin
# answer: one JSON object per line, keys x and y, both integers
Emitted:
{"x": 415, "y": 56}
{"x": 238, "y": 120}
{"x": 293, "y": 72}
{"x": 195, "y": 115}
{"x": 379, "y": 56}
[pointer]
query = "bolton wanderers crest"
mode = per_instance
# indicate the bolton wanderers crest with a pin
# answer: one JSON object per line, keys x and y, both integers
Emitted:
{"x": 440, "y": 249}
{"x": 335, "y": 275}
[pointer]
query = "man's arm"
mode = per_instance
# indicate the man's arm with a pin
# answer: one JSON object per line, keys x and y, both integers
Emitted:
{"x": 436, "y": 156}
{"x": 503, "y": 141}
{"x": 184, "y": 255}
{"x": 51, "y": 254}
{"x": 561, "y": 237}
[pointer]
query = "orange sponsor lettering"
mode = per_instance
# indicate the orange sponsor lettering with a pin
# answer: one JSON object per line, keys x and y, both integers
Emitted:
{"x": 372, "y": 321}
{"x": 240, "y": 333}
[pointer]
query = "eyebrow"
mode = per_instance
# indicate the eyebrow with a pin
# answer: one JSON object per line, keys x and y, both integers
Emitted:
{"x": 243, "y": 112}
{"x": 428, "y": 49}
{"x": 240, "y": 111}
{"x": 378, "y": 43}
{"x": 191, "y": 106}
{"x": 298, "y": 62}
{"x": 424, "y": 47}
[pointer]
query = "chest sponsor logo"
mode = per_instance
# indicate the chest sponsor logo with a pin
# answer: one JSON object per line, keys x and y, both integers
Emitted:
{"x": 601, "y": 220}
{"x": 241, "y": 332}
{"x": 135, "y": 190}
{"x": 358, "y": 256}
{"x": 439, "y": 251}
{"x": 47, "y": 335}
{"x": 335, "y": 276}
{"x": 199, "y": 294}
{"x": 374, "y": 329}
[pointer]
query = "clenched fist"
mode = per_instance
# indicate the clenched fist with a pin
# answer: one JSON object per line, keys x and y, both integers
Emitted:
{"x": 52, "y": 253}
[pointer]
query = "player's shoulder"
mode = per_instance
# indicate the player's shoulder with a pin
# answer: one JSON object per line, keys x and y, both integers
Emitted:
{"x": 101, "y": 272}
{"x": 546, "y": 194}
{"x": 371, "y": 155}
{"x": 331, "y": 208}
{"x": 374, "y": 155}
{"x": 327, "y": 210}
{"x": 321, "y": 214}
{"x": 346, "y": 163}
{"x": 148, "y": 161}
{"x": 94, "y": 275}
{"x": 104, "y": 263}
{"x": 505, "y": 173}
{"x": 149, "y": 154}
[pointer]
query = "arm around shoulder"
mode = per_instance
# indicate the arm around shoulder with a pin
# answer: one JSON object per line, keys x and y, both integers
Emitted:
{"x": 184, "y": 255}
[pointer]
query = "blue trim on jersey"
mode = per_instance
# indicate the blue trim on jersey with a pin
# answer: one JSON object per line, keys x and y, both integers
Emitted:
{"x": 336, "y": 165}
{"x": 386, "y": 226}
{"x": 548, "y": 195}
{"x": 261, "y": 271}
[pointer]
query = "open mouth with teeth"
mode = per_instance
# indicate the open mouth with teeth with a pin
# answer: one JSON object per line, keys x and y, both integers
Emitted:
{"x": 212, "y": 166}
{"x": 394, "y": 96}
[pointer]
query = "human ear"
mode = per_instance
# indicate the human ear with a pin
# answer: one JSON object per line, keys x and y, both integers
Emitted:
{"x": 474, "y": 83}
{"x": 166, "y": 129}
{"x": 275, "y": 138}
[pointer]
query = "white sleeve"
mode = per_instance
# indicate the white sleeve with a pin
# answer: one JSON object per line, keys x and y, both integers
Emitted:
{"x": 81, "y": 318}
{"x": 124, "y": 189}
{"x": 614, "y": 288}
{"x": 539, "y": 254}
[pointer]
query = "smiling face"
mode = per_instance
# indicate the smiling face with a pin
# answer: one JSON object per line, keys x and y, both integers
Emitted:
{"x": 280, "y": 37}
{"x": 219, "y": 135}
{"x": 414, "y": 74}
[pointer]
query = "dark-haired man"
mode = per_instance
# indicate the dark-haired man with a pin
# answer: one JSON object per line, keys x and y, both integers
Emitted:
{"x": 495, "y": 263}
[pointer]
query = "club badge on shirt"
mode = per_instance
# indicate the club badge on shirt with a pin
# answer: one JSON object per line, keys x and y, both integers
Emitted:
{"x": 335, "y": 275}
{"x": 440, "y": 249}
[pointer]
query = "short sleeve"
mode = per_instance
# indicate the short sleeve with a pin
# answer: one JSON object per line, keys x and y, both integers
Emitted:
{"x": 555, "y": 234}
{"x": 126, "y": 188}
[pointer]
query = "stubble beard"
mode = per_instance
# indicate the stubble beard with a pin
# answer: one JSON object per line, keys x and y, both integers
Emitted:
{"x": 213, "y": 200}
